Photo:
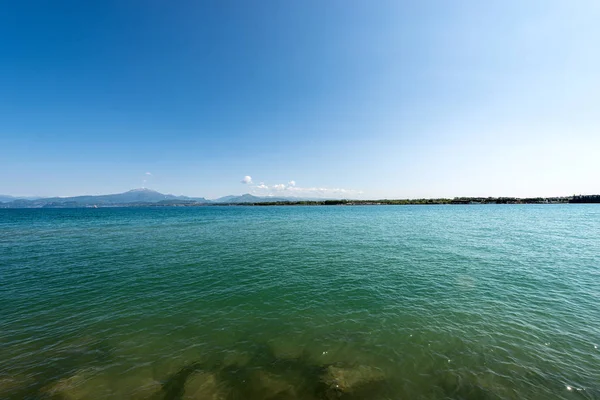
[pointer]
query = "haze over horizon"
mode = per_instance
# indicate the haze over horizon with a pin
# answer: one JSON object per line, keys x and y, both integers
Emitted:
{"x": 233, "y": 197}
{"x": 309, "y": 99}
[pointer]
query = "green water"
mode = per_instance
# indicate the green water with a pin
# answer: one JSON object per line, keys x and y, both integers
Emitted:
{"x": 386, "y": 302}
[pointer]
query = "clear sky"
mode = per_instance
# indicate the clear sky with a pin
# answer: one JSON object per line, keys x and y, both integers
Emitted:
{"x": 364, "y": 99}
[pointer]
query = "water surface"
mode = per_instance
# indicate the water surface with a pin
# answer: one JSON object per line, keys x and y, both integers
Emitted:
{"x": 365, "y": 302}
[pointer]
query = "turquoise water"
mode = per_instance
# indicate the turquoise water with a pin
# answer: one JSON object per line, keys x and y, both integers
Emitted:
{"x": 381, "y": 302}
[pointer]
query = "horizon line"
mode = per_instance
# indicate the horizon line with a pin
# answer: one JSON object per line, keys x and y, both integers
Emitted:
{"x": 300, "y": 198}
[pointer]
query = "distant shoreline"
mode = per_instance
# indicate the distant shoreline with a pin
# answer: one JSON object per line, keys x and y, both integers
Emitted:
{"x": 150, "y": 198}
{"x": 590, "y": 199}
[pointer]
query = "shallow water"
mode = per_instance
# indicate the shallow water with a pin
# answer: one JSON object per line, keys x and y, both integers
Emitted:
{"x": 380, "y": 302}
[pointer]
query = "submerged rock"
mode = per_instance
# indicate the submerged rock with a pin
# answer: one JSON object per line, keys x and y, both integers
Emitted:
{"x": 235, "y": 358}
{"x": 146, "y": 392}
{"x": 270, "y": 386}
{"x": 346, "y": 380}
{"x": 11, "y": 384}
{"x": 77, "y": 387}
{"x": 138, "y": 387}
{"x": 203, "y": 385}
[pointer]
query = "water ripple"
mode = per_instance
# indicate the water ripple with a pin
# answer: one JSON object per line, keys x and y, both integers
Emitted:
{"x": 490, "y": 302}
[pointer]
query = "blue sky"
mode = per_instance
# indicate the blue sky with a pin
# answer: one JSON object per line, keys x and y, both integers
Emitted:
{"x": 308, "y": 98}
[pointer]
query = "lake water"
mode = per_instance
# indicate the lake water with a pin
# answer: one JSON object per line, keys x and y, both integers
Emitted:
{"x": 333, "y": 302}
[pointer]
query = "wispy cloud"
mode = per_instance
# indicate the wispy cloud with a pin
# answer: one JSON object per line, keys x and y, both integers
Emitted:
{"x": 292, "y": 190}
{"x": 247, "y": 180}
{"x": 146, "y": 177}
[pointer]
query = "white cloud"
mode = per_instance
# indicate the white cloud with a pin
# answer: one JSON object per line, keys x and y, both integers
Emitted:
{"x": 322, "y": 191}
{"x": 146, "y": 177}
{"x": 290, "y": 189}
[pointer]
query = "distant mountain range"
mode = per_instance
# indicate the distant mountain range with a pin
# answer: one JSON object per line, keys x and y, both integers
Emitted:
{"x": 130, "y": 198}
{"x": 248, "y": 198}
{"x": 6, "y": 198}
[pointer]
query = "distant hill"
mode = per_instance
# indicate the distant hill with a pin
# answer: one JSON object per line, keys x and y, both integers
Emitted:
{"x": 135, "y": 196}
{"x": 248, "y": 198}
{"x": 225, "y": 199}
{"x": 6, "y": 198}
